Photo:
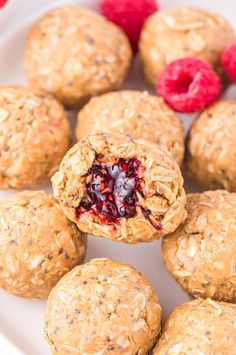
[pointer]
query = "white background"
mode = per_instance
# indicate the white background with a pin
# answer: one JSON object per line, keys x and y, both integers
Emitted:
{"x": 21, "y": 321}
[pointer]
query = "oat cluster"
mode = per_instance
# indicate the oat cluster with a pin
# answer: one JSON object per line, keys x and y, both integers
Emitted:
{"x": 200, "y": 254}
{"x": 38, "y": 244}
{"x": 180, "y": 33}
{"x": 75, "y": 53}
{"x": 199, "y": 327}
{"x": 161, "y": 180}
{"x": 211, "y": 148}
{"x": 106, "y": 307}
{"x": 34, "y": 136}
{"x": 134, "y": 113}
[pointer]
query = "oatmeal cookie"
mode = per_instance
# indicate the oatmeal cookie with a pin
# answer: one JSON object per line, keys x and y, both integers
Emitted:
{"x": 199, "y": 327}
{"x": 102, "y": 307}
{"x": 38, "y": 244}
{"x": 180, "y": 33}
{"x": 75, "y": 53}
{"x": 200, "y": 254}
{"x": 34, "y": 136}
{"x": 134, "y": 113}
{"x": 211, "y": 148}
{"x": 114, "y": 186}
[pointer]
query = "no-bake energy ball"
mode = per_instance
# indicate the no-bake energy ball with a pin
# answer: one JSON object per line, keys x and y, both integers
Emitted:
{"x": 200, "y": 254}
{"x": 211, "y": 148}
{"x": 199, "y": 327}
{"x": 34, "y": 136}
{"x": 75, "y": 53}
{"x": 102, "y": 307}
{"x": 38, "y": 244}
{"x": 134, "y": 113}
{"x": 113, "y": 186}
{"x": 180, "y": 33}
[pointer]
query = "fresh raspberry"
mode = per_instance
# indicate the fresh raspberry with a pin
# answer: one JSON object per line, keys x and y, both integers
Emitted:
{"x": 189, "y": 85}
{"x": 228, "y": 60}
{"x": 129, "y": 15}
{"x": 3, "y": 3}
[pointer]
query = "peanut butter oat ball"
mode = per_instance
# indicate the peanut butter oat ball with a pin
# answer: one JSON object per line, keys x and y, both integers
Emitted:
{"x": 102, "y": 307}
{"x": 134, "y": 113}
{"x": 38, "y": 244}
{"x": 211, "y": 149}
{"x": 180, "y": 33}
{"x": 113, "y": 186}
{"x": 75, "y": 53}
{"x": 200, "y": 254}
{"x": 34, "y": 136}
{"x": 199, "y": 327}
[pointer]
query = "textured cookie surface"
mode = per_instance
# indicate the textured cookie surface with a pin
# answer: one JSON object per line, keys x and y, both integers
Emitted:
{"x": 180, "y": 33}
{"x": 75, "y": 53}
{"x": 34, "y": 136}
{"x": 102, "y": 307}
{"x": 200, "y": 254}
{"x": 199, "y": 327}
{"x": 137, "y": 114}
{"x": 211, "y": 149}
{"x": 38, "y": 244}
{"x": 113, "y": 186}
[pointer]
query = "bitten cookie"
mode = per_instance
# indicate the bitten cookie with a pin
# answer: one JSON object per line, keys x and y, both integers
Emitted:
{"x": 211, "y": 148}
{"x": 102, "y": 307}
{"x": 38, "y": 244}
{"x": 34, "y": 136}
{"x": 199, "y": 327}
{"x": 200, "y": 254}
{"x": 113, "y": 186}
{"x": 180, "y": 33}
{"x": 137, "y": 114}
{"x": 75, "y": 53}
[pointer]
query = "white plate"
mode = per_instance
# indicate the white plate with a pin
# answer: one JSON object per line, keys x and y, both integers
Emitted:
{"x": 21, "y": 321}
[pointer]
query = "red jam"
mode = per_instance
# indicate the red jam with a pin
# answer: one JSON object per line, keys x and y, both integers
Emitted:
{"x": 147, "y": 213}
{"x": 112, "y": 190}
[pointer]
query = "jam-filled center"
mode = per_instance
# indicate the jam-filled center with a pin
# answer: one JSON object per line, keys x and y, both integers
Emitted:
{"x": 112, "y": 190}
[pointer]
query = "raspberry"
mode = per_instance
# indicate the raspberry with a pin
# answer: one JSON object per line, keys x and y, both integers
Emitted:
{"x": 129, "y": 15}
{"x": 3, "y": 3}
{"x": 228, "y": 60}
{"x": 189, "y": 85}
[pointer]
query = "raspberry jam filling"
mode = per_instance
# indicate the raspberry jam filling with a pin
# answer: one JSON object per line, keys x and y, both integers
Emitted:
{"x": 112, "y": 190}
